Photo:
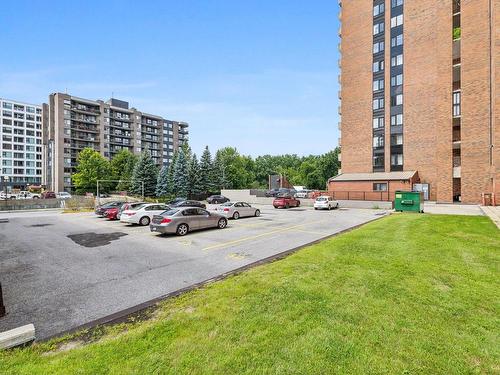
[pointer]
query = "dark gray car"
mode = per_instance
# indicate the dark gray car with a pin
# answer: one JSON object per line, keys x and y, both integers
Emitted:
{"x": 181, "y": 220}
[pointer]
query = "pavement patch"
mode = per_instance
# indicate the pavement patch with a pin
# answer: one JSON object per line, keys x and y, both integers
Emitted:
{"x": 92, "y": 239}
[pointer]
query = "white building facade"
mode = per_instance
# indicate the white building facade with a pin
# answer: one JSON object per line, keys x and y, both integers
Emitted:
{"x": 21, "y": 149}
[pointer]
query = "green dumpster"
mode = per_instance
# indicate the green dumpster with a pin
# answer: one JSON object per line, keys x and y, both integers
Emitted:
{"x": 409, "y": 201}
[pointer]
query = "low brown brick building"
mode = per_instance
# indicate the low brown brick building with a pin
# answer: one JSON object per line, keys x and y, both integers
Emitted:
{"x": 419, "y": 93}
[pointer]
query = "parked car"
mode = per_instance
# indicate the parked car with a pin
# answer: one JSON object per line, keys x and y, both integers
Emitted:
{"x": 216, "y": 199}
{"x": 143, "y": 214}
{"x": 128, "y": 206}
{"x": 183, "y": 220}
{"x": 177, "y": 200}
{"x": 4, "y": 195}
{"x": 236, "y": 210}
{"x": 25, "y": 195}
{"x": 302, "y": 193}
{"x": 64, "y": 195}
{"x": 286, "y": 201}
{"x": 48, "y": 195}
{"x": 101, "y": 210}
{"x": 189, "y": 203}
{"x": 325, "y": 202}
{"x": 272, "y": 193}
{"x": 112, "y": 213}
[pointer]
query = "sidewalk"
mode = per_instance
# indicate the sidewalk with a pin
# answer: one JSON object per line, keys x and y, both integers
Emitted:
{"x": 493, "y": 213}
{"x": 452, "y": 209}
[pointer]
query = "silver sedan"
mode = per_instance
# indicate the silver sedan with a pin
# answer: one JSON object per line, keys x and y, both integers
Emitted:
{"x": 236, "y": 210}
{"x": 186, "y": 219}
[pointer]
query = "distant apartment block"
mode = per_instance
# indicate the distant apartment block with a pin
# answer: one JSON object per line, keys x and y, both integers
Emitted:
{"x": 420, "y": 106}
{"x": 21, "y": 157}
{"x": 108, "y": 127}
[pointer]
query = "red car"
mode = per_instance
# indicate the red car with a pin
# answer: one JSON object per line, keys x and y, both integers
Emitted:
{"x": 49, "y": 195}
{"x": 285, "y": 201}
{"x": 112, "y": 213}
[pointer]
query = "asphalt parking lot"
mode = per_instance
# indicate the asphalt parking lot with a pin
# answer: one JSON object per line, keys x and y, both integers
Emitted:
{"x": 60, "y": 271}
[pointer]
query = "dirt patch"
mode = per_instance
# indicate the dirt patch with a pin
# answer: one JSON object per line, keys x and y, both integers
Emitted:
{"x": 38, "y": 225}
{"x": 92, "y": 239}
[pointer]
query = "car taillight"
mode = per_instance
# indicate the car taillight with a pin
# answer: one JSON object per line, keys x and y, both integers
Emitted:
{"x": 130, "y": 214}
{"x": 165, "y": 220}
{"x": 226, "y": 209}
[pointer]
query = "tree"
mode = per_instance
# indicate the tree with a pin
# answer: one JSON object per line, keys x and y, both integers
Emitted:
{"x": 237, "y": 171}
{"x": 330, "y": 164}
{"x": 206, "y": 175}
{"x": 218, "y": 173}
{"x": 145, "y": 171}
{"x": 122, "y": 167}
{"x": 91, "y": 166}
{"x": 170, "y": 178}
{"x": 162, "y": 182}
{"x": 194, "y": 188}
{"x": 180, "y": 177}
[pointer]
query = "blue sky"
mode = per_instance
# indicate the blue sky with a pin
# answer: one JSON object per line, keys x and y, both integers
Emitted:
{"x": 257, "y": 75}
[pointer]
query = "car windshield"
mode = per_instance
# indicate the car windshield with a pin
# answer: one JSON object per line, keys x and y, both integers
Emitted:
{"x": 170, "y": 212}
{"x": 321, "y": 199}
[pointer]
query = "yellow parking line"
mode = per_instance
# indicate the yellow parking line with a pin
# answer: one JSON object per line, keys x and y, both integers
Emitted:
{"x": 258, "y": 235}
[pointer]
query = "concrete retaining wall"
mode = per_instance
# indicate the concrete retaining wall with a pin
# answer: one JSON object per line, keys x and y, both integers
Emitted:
{"x": 245, "y": 196}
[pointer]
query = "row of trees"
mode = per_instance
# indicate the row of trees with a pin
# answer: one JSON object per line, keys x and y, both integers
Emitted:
{"x": 187, "y": 176}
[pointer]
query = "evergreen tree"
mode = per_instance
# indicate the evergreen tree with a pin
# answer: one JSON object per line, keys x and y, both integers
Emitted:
{"x": 218, "y": 173}
{"x": 170, "y": 178}
{"x": 122, "y": 167}
{"x": 145, "y": 171}
{"x": 206, "y": 174}
{"x": 180, "y": 177}
{"x": 194, "y": 188}
{"x": 162, "y": 182}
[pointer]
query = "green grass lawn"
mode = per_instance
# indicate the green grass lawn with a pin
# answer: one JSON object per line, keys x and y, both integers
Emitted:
{"x": 405, "y": 294}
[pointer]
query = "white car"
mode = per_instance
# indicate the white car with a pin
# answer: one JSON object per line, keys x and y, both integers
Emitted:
{"x": 143, "y": 214}
{"x": 236, "y": 210}
{"x": 325, "y": 203}
{"x": 25, "y": 195}
{"x": 302, "y": 193}
{"x": 64, "y": 195}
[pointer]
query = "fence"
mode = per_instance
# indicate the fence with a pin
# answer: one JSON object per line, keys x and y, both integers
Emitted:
{"x": 381, "y": 196}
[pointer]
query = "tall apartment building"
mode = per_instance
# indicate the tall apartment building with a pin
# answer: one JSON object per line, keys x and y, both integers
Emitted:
{"x": 21, "y": 145}
{"x": 108, "y": 127}
{"x": 420, "y": 100}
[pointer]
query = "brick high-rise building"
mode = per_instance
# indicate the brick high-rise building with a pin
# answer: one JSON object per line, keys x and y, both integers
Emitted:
{"x": 108, "y": 127}
{"x": 420, "y": 100}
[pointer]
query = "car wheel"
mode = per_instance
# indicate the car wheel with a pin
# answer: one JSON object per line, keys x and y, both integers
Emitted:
{"x": 222, "y": 223}
{"x": 182, "y": 230}
{"x": 316, "y": 208}
{"x": 329, "y": 208}
{"x": 35, "y": 197}
{"x": 298, "y": 203}
{"x": 236, "y": 215}
{"x": 144, "y": 221}
{"x": 257, "y": 213}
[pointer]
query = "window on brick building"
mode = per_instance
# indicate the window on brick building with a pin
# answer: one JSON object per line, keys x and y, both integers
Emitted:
{"x": 379, "y": 186}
